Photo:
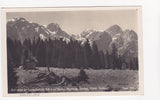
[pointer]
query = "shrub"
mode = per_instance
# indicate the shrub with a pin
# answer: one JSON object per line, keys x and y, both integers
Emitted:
{"x": 83, "y": 76}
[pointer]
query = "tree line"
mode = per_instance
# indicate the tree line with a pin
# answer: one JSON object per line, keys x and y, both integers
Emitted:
{"x": 59, "y": 53}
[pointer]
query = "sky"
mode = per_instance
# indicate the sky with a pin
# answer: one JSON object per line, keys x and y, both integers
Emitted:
{"x": 75, "y": 22}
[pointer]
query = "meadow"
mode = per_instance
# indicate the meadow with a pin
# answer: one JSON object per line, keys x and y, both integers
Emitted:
{"x": 99, "y": 80}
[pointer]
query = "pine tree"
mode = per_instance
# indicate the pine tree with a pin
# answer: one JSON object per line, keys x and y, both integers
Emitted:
{"x": 17, "y": 52}
{"x": 79, "y": 56}
{"x": 11, "y": 64}
{"x": 102, "y": 61}
{"x": 107, "y": 62}
{"x": 71, "y": 53}
{"x": 47, "y": 53}
{"x": 96, "y": 61}
{"x": 61, "y": 60}
{"x": 33, "y": 47}
{"x": 41, "y": 53}
{"x": 134, "y": 63}
{"x": 87, "y": 54}
{"x": 114, "y": 56}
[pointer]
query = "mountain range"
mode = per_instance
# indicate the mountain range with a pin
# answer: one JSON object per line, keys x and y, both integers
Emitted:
{"x": 126, "y": 41}
{"x": 21, "y": 29}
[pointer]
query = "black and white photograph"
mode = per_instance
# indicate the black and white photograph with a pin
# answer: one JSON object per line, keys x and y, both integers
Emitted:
{"x": 67, "y": 50}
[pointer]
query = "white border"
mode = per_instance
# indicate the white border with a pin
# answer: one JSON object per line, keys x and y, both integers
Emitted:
{"x": 140, "y": 50}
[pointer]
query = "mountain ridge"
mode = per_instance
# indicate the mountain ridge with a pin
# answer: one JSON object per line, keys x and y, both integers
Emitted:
{"x": 126, "y": 41}
{"x": 21, "y": 29}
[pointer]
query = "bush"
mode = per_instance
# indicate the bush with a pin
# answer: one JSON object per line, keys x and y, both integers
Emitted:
{"x": 83, "y": 76}
{"x": 52, "y": 78}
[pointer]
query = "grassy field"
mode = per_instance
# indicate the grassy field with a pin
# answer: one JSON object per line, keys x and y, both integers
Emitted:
{"x": 109, "y": 80}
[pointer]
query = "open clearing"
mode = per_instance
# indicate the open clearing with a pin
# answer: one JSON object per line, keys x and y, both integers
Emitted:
{"x": 109, "y": 80}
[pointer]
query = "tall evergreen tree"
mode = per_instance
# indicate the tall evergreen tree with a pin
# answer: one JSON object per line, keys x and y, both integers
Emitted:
{"x": 114, "y": 56}
{"x": 96, "y": 61}
{"x": 79, "y": 56}
{"x": 107, "y": 62}
{"x": 87, "y": 54}
{"x": 41, "y": 53}
{"x": 11, "y": 64}
{"x": 102, "y": 61}
{"x": 71, "y": 53}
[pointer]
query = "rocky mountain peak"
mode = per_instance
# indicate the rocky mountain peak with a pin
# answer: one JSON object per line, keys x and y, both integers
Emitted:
{"x": 100, "y": 37}
{"x": 130, "y": 34}
{"x": 113, "y": 30}
{"x": 53, "y": 27}
{"x": 18, "y": 19}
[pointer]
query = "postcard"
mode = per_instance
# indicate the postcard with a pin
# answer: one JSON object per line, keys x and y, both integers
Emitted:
{"x": 72, "y": 51}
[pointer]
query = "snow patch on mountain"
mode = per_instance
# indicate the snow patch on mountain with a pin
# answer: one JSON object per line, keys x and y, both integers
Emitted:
{"x": 12, "y": 20}
{"x": 30, "y": 22}
{"x": 45, "y": 26}
{"x": 52, "y": 32}
{"x": 37, "y": 29}
{"x": 66, "y": 39}
{"x": 46, "y": 31}
{"x": 42, "y": 37}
